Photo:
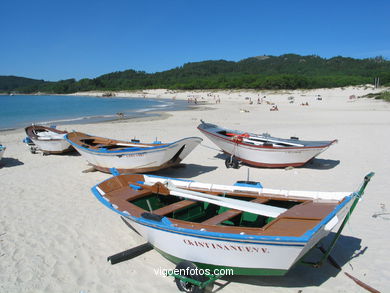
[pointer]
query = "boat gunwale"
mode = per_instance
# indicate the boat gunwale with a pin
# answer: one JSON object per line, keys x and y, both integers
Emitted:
{"x": 241, "y": 143}
{"x": 30, "y": 132}
{"x": 130, "y": 149}
{"x": 168, "y": 225}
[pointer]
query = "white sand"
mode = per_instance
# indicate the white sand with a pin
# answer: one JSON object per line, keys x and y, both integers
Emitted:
{"x": 55, "y": 236}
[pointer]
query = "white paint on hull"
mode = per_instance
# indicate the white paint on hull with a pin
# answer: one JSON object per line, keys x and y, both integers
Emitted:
{"x": 279, "y": 255}
{"x": 139, "y": 159}
{"x": 2, "y": 150}
{"x": 55, "y": 145}
{"x": 269, "y": 156}
{"x": 221, "y": 253}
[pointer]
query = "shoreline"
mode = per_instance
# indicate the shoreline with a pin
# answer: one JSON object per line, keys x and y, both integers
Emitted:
{"x": 169, "y": 95}
{"x": 153, "y": 115}
{"x": 56, "y": 235}
{"x": 128, "y": 114}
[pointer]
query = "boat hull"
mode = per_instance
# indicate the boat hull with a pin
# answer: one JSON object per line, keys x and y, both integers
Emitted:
{"x": 245, "y": 256}
{"x": 228, "y": 254}
{"x": 265, "y": 156}
{"x": 48, "y": 139}
{"x": 2, "y": 150}
{"x": 54, "y": 146}
{"x": 148, "y": 160}
{"x": 270, "y": 249}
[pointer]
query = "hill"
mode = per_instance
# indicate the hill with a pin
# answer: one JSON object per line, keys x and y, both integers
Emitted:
{"x": 12, "y": 83}
{"x": 289, "y": 71}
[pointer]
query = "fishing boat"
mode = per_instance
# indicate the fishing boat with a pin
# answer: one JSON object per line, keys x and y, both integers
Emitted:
{"x": 248, "y": 229}
{"x": 130, "y": 156}
{"x": 49, "y": 140}
{"x": 262, "y": 150}
{"x": 2, "y": 150}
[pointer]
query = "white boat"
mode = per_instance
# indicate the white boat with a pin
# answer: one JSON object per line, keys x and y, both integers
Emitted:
{"x": 263, "y": 150}
{"x": 250, "y": 230}
{"x": 2, "y": 150}
{"x": 130, "y": 156}
{"x": 48, "y": 139}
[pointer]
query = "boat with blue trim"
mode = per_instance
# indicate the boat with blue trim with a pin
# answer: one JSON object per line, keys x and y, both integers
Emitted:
{"x": 49, "y": 140}
{"x": 262, "y": 150}
{"x": 130, "y": 156}
{"x": 2, "y": 150}
{"x": 244, "y": 227}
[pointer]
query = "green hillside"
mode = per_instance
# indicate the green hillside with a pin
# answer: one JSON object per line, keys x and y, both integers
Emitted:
{"x": 288, "y": 71}
{"x": 12, "y": 83}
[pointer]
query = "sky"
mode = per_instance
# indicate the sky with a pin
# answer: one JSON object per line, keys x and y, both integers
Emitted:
{"x": 61, "y": 39}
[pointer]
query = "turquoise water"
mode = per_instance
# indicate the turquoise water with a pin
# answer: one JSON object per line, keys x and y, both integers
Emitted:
{"x": 23, "y": 110}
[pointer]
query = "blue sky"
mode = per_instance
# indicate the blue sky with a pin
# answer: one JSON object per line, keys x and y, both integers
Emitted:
{"x": 60, "y": 39}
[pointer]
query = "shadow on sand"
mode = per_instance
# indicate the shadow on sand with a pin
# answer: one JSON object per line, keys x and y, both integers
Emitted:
{"x": 321, "y": 164}
{"x": 301, "y": 275}
{"x": 10, "y": 162}
{"x": 71, "y": 153}
{"x": 315, "y": 164}
{"x": 185, "y": 171}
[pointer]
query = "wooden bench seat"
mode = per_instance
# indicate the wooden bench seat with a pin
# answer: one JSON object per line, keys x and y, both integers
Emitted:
{"x": 126, "y": 194}
{"x": 173, "y": 207}
{"x": 309, "y": 210}
{"x": 225, "y": 216}
{"x": 229, "y": 214}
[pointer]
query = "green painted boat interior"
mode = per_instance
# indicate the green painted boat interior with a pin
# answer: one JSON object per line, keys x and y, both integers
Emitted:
{"x": 199, "y": 212}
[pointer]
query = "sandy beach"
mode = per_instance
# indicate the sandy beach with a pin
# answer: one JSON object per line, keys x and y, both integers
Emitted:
{"x": 55, "y": 236}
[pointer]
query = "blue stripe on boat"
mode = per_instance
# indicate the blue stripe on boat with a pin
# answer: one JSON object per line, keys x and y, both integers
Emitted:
{"x": 165, "y": 225}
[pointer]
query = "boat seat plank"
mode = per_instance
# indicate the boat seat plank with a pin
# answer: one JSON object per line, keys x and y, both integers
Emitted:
{"x": 125, "y": 206}
{"x": 225, "y": 216}
{"x": 173, "y": 207}
{"x": 127, "y": 194}
{"x": 309, "y": 210}
{"x": 290, "y": 227}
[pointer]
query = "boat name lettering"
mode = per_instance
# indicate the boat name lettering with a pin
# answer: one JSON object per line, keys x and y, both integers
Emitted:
{"x": 134, "y": 155}
{"x": 228, "y": 247}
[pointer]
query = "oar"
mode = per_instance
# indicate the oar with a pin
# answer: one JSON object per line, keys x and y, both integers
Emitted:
{"x": 275, "y": 141}
{"x": 254, "y": 208}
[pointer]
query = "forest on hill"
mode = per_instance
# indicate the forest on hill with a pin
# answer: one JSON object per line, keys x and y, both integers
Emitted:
{"x": 288, "y": 71}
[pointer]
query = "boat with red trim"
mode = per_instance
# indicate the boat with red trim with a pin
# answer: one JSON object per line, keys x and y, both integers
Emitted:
{"x": 262, "y": 150}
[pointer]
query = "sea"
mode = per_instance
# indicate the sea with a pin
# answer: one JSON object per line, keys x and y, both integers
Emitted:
{"x": 18, "y": 111}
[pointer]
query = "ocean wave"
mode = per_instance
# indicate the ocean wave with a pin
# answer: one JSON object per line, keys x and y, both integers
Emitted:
{"x": 76, "y": 119}
{"x": 144, "y": 110}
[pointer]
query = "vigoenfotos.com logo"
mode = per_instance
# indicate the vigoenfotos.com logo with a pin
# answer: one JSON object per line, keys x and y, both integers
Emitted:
{"x": 193, "y": 271}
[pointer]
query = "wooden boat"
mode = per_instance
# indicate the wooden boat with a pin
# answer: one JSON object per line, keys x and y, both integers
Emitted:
{"x": 2, "y": 150}
{"x": 130, "y": 156}
{"x": 252, "y": 231}
{"x": 263, "y": 150}
{"x": 48, "y": 139}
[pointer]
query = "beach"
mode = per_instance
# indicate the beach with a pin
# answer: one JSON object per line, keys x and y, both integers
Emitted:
{"x": 56, "y": 237}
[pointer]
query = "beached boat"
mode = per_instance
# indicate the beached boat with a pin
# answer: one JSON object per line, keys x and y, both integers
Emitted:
{"x": 249, "y": 230}
{"x": 262, "y": 150}
{"x": 130, "y": 156}
{"x": 47, "y": 139}
{"x": 2, "y": 150}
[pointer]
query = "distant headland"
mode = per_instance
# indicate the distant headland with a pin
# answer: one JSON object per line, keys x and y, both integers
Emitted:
{"x": 289, "y": 71}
